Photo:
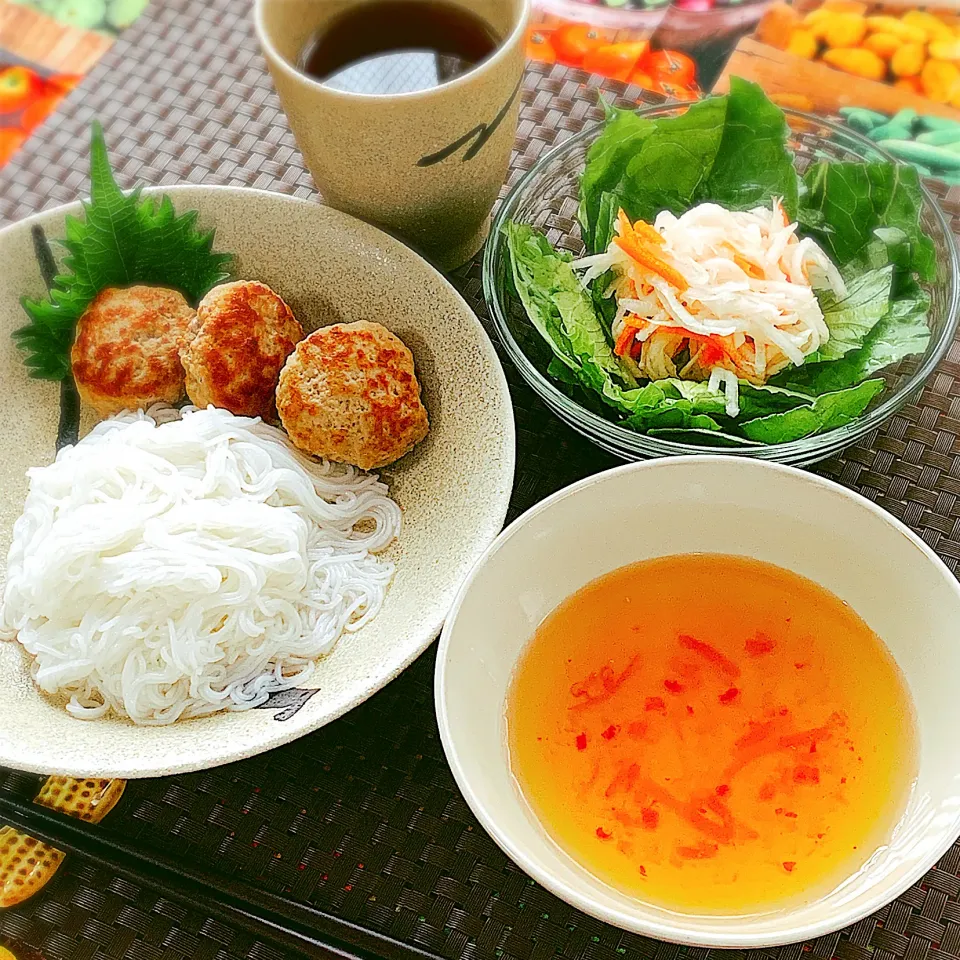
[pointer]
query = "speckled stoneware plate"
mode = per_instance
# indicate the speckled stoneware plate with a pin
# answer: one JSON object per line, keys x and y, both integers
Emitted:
{"x": 453, "y": 488}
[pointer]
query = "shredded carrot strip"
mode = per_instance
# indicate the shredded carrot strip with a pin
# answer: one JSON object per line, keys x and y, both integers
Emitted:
{"x": 805, "y": 737}
{"x": 600, "y": 687}
{"x": 721, "y": 832}
{"x": 634, "y": 249}
{"x": 711, "y": 654}
{"x": 624, "y": 340}
{"x": 633, "y": 245}
{"x": 646, "y": 232}
{"x": 623, "y": 782}
{"x": 748, "y": 267}
{"x": 704, "y": 851}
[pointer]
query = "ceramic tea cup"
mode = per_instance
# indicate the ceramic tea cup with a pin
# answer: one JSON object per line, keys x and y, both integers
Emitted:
{"x": 426, "y": 165}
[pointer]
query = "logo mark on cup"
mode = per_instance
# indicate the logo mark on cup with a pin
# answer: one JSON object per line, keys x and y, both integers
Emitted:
{"x": 480, "y": 134}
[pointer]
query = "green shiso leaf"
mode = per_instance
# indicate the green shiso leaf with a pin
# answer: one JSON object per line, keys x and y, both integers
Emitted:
{"x": 121, "y": 239}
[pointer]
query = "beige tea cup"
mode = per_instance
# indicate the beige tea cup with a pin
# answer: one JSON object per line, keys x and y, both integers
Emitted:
{"x": 426, "y": 165}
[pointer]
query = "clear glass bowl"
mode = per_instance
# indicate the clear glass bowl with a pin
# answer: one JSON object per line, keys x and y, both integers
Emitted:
{"x": 547, "y": 198}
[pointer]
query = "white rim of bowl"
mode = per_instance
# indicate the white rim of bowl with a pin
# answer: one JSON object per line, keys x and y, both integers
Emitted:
{"x": 624, "y": 442}
{"x": 674, "y": 931}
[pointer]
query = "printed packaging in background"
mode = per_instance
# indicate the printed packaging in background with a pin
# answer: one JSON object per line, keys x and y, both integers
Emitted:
{"x": 46, "y": 46}
{"x": 675, "y": 49}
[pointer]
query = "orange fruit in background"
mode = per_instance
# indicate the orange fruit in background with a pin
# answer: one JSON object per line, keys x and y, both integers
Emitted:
{"x": 17, "y": 86}
{"x": 11, "y": 139}
{"x": 573, "y": 41}
{"x": 539, "y": 46}
{"x": 616, "y": 60}
{"x": 912, "y": 84}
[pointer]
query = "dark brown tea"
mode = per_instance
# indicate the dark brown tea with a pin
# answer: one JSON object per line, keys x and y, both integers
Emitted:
{"x": 398, "y": 46}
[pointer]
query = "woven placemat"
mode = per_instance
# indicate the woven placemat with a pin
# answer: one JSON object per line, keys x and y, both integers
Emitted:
{"x": 363, "y": 818}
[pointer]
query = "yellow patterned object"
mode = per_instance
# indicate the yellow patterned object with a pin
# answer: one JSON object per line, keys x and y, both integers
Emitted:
{"x": 89, "y": 800}
{"x": 27, "y": 865}
{"x": 5, "y": 954}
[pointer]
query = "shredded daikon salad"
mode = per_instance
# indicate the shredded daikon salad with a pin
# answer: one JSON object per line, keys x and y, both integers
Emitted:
{"x": 715, "y": 295}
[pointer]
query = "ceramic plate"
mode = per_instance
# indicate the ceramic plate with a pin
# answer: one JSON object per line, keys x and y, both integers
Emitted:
{"x": 453, "y": 488}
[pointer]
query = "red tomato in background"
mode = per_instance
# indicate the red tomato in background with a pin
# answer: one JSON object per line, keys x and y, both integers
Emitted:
{"x": 573, "y": 41}
{"x": 670, "y": 66}
{"x": 676, "y": 91}
{"x": 616, "y": 60}
{"x": 64, "y": 81}
{"x": 11, "y": 140}
{"x": 18, "y": 85}
{"x": 539, "y": 46}
{"x": 641, "y": 78}
{"x": 39, "y": 110}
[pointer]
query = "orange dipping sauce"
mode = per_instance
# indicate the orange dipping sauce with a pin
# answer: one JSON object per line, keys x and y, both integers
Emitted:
{"x": 712, "y": 734}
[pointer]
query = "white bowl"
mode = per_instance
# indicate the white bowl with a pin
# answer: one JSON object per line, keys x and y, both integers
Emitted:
{"x": 718, "y": 505}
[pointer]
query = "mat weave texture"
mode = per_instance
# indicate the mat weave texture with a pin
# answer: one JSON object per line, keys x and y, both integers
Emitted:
{"x": 363, "y": 818}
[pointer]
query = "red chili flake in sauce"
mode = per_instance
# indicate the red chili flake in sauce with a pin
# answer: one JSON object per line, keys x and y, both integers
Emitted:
{"x": 581, "y": 741}
{"x": 778, "y": 811}
{"x": 806, "y": 774}
{"x": 636, "y": 729}
{"x": 843, "y": 779}
{"x": 650, "y": 818}
{"x": 799, "y": 666}
{"x": 610, "y": 732}
{"x": 790, "y": 814}
{"x": 674, "y": 686}
{"x": 643, "y": 870}
{"x": 730, "y": 695}
{"x": 689, "y": 709}
{"x": 813, "y": 748}
{"x": 655, "y": 703}
{"x": 722, "y": 790}
{"x": 788, "y": 865}
{"x": 602, "y": 834}
{"x": 759, "y": 645}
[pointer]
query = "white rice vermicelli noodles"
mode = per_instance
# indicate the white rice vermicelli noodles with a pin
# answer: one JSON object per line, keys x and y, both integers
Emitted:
{"x": 166, "y": 568}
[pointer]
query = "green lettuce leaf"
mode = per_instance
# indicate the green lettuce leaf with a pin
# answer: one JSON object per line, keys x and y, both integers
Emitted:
{"x": 828, "y": 411}
{"x": 681, "y": 404}
{"x": 610, "y": 205}
{"x": 674, "y": 161}
{"x": 532, "y": 263}
{"x": 753, "y": 163}
{"x": 762, "y": 401}
{"x": 902, "y": 332}
{"x": 562, "y": 312}
{"x": 606, "y": 160}
{"x": 121, "y": 239}
{"x": 849, "y": 206}
{"x": 730, "y": 150}
{"x": 851, "y": 318}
